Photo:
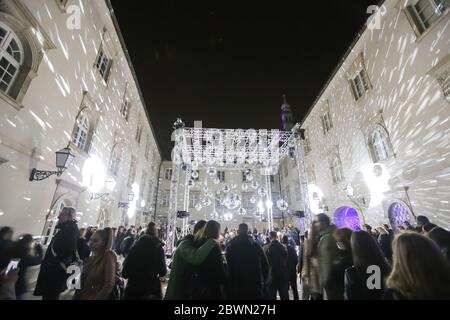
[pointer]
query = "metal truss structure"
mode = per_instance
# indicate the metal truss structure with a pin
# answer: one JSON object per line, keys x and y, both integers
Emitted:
{"x": 197, "y": 148}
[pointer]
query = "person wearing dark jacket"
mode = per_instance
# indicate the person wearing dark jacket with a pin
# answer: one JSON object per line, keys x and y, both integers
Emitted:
{"x": 118, "y": 240}
{"x": 343, "y": 262}
{"x": 366, "y": 256}
{"x": 6, "y": 242}
{"x": 186, "y": 258}
{"x": 82, "y": 246}
{"x": 29, "y": 256}
{"x": 328, "y": 253}
{"x": 277, "y": 257}
{"x": 247, "y": 267}
{"x": 143, "y": 266}
{"x": 60, "y": 254}
{"x": 385, "y": 242}
{"x": 292, "y": 266}
{"x": 210, "y": 276}
{"x": 128, "y": 241}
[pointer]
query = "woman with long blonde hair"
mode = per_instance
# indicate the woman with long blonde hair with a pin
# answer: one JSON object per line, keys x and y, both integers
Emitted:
{"x": 420, "y": 271}
{"x": 99, "y": 273}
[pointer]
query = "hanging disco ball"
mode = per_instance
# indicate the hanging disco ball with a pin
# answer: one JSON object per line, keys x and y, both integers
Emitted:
{"x": 210, "y": 161}
{"x": 198, "y": 207}
{"x": 216, "y": 180}
{"x": 244, "y": 187}
{"x": 205, "y": 189}
{"x": 233, "y": 186}
{"x": 194, "y": 175}
{"x": 253, "y": 200}
{"x": 249, "y": 177}
{"x": 206, "y": 202}
{"x": 211, "y": 171}
{"x": 226, "y": 189}
{"x": 191, "y": 183}
{"x": 194, "y": 164}
{"x": 255, "y": 184}
{"x": 232, "y": 201}
{"x": 282, "y": 204}
{"x": 262, "y": 192}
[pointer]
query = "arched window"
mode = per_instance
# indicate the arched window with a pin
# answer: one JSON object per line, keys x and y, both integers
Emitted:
{"x": 114, "y": 163}
{"x": 81, "y": 132}
{"x": 11, "y": 57}
{"x": 379, "y": 143}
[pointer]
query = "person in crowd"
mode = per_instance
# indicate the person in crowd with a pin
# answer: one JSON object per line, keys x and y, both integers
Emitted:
{"x": 277, "y": 257}
{"x": 30, "y": 254}
{"x": 118, "y": 239}
{"x": 89, "y": 232}
{"x": 343, "y": 262}
{"x": 247, "y": 267}
{"x": 428, "y": 227}
{"x": 292, "y": 265}
{"x": 186, "y": 258}
{"x": 389, "y": 230}
{"x": 128, "y": 241}
{"x": 422, "y": 221}
{"x": 143, "y": 267}
{"x": 82, "y": 245}
{"x": 420, "y": 271}
{"x": 8, "y": 284}
{"x": 99, "y": 274}
{"x": 442, "y": 238}
{"x": 61, "y": 252}
{"x": 310, "y": 270}
{"x": 366, "y": 255}
{"x": 6, "y": 235}
{"x": 211, "y": 272}
{"x": 385, "y": 242}
{"x": 327, "y": 252}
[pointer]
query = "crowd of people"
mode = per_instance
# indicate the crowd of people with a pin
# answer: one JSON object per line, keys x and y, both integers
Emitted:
{"x": 411, "y": 262}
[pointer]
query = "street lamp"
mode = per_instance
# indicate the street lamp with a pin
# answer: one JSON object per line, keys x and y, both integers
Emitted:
{"x": 109, "y": 184}
{"x": 126, "y": 204}
{"x": 64, "y": 158}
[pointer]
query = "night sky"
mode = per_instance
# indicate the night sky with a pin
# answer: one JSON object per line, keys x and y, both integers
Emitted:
{"x": 227, "y": 63}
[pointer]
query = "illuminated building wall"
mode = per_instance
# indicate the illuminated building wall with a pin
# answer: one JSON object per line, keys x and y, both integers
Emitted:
{"x": 75, "y": 84}
{"x": 378, "y": 133}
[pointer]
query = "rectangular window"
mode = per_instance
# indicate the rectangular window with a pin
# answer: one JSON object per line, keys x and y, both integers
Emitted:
{"x": 360, "y": 84}
{"x": 147, "y": 148}
{"x": 425, "y": 13}
{"x": 132, "y": 175}
{"x": 307, "y": 142}
{"x": 194, "y": 199}
{"x": 165, "y": 199}
{"x": 103, "y": 64}
{"x": 139, "y": 134}
{"x": 168, "y": 174}
{"x": 327, "y": 125}
{"x": 221, "y": 176}
{"x": 125, "y": 108}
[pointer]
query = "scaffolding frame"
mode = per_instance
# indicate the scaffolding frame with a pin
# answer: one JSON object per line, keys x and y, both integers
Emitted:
{"x": 197, "y": 148}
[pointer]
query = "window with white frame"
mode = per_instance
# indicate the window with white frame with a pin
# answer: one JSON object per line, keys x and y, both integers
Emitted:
{"x": 165, "y": 199}
{"x": 132, "y": 174}
{"x": 380, "y": 145}
{"x": 307, "y": 142}
{"x": 125, "y": 107}
{"x": 194, "y": 199}
{"x": 138, "y": 133}
{"x": 103, "y": 63}
{"x": 336, "y": 170}
{"x": 168, "y": 174}
{"x": 424, "y": 13}
{"x": 147, "y": 148}
{"x": 11, "y": 58}
{"x": 327, "y": 124}
{"x": 221, "y": 176}
{"x": 114, "y": 163}
{"x": 360, "y": 84}
{"x": 81, "y": 132}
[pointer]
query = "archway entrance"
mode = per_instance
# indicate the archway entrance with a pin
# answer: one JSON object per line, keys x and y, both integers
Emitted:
{"x": 347, "y": 217}
{"x": 398, "y": 214}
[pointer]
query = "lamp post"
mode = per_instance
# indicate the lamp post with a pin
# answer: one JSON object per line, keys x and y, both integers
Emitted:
{"x": 64, "y": 158}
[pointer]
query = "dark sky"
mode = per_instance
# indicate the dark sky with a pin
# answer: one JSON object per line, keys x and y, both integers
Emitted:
{"x": 228, "y": 63}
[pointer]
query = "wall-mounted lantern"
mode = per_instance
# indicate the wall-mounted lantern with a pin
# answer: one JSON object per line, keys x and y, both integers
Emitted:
{"x": 64, "y": 158}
